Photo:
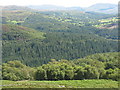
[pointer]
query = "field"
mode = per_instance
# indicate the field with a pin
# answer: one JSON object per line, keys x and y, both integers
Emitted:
{"x": 61, "y": 84}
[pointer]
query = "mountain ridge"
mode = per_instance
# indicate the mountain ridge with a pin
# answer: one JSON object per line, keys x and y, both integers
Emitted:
{"x": 106, "y": 8}
{"x": 103, "y": 8}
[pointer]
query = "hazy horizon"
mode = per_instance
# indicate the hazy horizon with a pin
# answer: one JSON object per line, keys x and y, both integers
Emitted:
{"x": 65, "y": 3}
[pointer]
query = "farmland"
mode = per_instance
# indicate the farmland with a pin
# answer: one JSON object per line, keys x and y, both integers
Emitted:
{"x": 61, "y": 84}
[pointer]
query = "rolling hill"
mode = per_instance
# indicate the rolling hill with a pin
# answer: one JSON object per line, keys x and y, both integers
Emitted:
{"x": 59, "y": 44}
{"x": 103, "y": 8}
{"x": 36, "y": 37}
{"x": 36, "y": 48}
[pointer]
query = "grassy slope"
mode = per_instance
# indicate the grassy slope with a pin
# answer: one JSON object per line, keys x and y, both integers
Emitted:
{"x": 19, "y": 31}
{"x": 61, "y": 84}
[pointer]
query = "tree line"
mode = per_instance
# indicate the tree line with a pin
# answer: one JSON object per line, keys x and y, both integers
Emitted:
{"x": 90, "y": 67}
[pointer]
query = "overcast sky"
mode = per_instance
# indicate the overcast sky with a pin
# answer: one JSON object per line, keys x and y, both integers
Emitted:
{"x": 66, "y": 3}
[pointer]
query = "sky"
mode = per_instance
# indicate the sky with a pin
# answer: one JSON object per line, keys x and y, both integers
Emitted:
{"x": 66, "y": 3}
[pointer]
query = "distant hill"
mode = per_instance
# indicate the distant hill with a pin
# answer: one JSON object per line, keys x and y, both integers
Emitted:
{"x": 14, "y": 7}
{"x": 100, "y": 8}
{"x": 46, "y": 7}
{"x": 53, "y": 7}
{"x": 76, "y": 8}
{"x": 103, "y": 8}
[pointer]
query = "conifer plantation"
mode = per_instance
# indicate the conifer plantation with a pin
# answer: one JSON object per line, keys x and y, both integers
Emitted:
{"x": 59, "y": 48}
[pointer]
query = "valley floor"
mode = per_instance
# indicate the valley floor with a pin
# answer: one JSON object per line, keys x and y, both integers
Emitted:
{"x": 91, "y": 83}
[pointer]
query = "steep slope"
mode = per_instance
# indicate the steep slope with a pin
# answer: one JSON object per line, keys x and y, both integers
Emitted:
{"x": 35, "y": 48}
{"x": 14, "y": 32}
{"x": 16, "y": 41}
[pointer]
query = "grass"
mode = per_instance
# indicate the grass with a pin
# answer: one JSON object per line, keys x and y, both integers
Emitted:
{"x": 61, "y": 84}
{"x": 104, "y": 22}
